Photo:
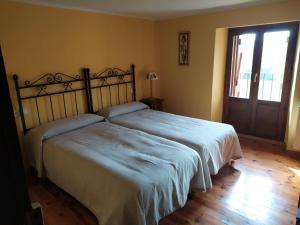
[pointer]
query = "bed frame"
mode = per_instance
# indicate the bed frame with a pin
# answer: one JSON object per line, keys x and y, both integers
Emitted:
{"x": 106, "y": 80}
{"x": 48, "y": 85}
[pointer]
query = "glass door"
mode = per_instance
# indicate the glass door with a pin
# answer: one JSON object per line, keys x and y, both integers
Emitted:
{"x": 241, "y": 67}
{"x": 258, "y": 78}
{"x": 275, "y": 46}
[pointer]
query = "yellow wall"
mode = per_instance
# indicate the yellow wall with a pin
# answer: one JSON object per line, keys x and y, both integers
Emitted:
{"x": 295, "y": 103}
{"x": 190, "y": 90}
{"x": 219, "y": 74}
{"x": 37, "y": 39}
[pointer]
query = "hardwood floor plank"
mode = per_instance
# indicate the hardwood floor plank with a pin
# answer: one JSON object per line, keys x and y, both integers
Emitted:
{"x": 261, "y": 189}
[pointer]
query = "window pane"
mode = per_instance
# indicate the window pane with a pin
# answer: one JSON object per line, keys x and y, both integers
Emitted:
{"x": 241, "y": 65}
{"x": 273, "y": 65}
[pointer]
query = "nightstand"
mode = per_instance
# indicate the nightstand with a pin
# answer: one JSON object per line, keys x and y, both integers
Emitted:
{"x": 154, "y": 103}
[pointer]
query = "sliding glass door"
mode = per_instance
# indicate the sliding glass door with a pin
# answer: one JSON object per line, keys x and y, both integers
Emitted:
{"x": 258, "y": 78}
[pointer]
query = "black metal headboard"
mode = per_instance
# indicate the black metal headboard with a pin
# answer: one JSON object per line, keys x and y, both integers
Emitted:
{"x": 40, "y": 95}
{"x": 110, "y": 87}
{"x": 61, "y": 94}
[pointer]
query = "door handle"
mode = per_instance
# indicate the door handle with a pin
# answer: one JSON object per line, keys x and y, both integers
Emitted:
{"x": 255, "y": 77}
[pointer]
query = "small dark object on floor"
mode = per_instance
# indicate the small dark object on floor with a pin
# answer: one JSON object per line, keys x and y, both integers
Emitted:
{"x": 298, "y": 213}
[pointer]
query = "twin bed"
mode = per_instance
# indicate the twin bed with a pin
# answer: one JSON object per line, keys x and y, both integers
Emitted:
{"x": 123, "y": 176}
{"x": 128, "y": 164}
{"x": 216, "y": 143}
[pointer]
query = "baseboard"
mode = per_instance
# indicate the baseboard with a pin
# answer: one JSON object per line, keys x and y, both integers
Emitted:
{"x": 280, "y": 144}
{"x": 293, "y": 154}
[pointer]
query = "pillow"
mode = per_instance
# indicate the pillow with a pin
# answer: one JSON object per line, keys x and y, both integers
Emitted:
{"x": 122, "y": 109}
{"x": 35, "y": 137}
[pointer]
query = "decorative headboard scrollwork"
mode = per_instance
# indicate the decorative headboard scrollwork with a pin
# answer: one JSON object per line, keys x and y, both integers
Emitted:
{"x": 50, "y": 87}
{"x": 53, "y": 88}
{"x": 101, "y": 86}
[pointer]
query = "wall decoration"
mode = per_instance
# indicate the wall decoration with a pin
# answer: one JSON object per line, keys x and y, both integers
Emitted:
{"x": 183, "y": 48}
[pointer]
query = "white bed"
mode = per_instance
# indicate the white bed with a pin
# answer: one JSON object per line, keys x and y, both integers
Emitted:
{"x": 123, "y": 176}
{"x": 216, "y": 143}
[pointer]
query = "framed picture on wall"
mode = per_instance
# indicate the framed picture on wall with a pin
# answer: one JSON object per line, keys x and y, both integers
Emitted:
{"x": 184, "y": 48}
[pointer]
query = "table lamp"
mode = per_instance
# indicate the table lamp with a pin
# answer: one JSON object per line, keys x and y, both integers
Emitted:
{"x": 151, "y": 76}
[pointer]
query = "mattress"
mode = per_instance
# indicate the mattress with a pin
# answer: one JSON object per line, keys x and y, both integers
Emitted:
{"x": 216, "y": 143}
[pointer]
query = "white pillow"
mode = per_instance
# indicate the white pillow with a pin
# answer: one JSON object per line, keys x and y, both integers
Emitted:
{"x": 122, "y": 109}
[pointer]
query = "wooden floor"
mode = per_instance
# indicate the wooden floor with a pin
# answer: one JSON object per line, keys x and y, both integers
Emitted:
{"x": 262, "y": 188}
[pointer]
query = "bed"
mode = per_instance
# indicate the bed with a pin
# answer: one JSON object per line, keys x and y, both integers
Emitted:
{"x": 124, "y": 176}
{"x": 216, "y": 143}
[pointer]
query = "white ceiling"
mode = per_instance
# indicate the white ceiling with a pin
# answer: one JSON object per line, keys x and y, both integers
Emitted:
{"x": 149, "y": 9}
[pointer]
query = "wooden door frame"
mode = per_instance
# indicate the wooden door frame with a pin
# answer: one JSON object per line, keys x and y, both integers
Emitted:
{"x": 15, "y": 199}
{"x": 288, "y": 76}
{"x": 257, "y": 54}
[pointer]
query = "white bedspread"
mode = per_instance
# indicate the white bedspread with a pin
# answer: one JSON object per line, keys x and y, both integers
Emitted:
{"x": 124, "y": 176}
{"x": 216, "y": 143}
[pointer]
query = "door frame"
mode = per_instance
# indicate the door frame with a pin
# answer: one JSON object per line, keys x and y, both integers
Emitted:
{"x": 256, "y": 66}
{"x": 16, "y": 200}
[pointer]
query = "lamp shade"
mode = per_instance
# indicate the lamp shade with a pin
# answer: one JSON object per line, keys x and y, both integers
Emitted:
{"x": 152, "y": 76}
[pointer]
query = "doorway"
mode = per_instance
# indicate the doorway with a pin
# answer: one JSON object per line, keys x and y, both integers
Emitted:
{"x": 258, "y": 78}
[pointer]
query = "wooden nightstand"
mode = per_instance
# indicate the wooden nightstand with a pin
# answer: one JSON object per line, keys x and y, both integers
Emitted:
{"x": 154, "y": 103}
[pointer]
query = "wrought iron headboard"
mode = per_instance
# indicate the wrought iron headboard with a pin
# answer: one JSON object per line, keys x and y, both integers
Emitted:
{"x": 112, "y": 84}
{"x": 48, "y": 87}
